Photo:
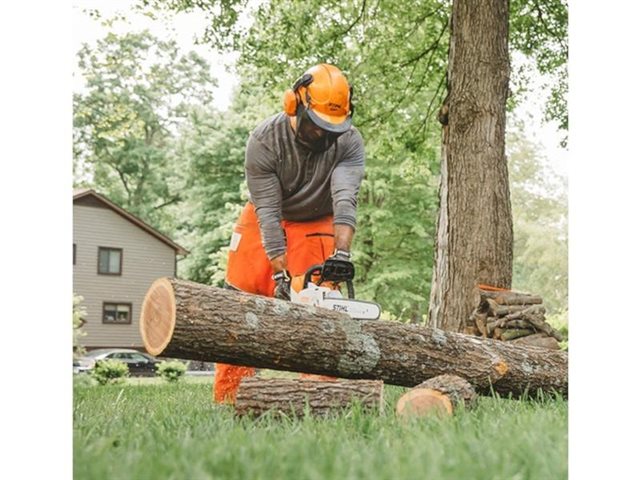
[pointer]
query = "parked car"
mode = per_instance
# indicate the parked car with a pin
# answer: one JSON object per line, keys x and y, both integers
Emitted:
{"x": 140, "y": 364}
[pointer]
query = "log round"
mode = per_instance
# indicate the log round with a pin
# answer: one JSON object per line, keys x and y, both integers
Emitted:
{"x": 187, "y": 320}
{"x": 420, "y": 402}
{"x": 441, "y": 394}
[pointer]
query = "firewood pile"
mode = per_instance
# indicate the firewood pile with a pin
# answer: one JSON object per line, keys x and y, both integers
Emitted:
{"x": 513, "y": 317}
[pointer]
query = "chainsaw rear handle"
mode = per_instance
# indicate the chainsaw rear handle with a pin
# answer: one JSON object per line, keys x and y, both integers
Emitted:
{"x": 325, "y": 276}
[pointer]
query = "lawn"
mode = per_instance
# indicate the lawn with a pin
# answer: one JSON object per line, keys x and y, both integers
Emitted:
{"x": 147, "y": 429}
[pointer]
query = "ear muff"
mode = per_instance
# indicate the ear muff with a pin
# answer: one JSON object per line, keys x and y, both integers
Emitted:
{"x": 291, "y": 98}
{"x": 290, "y": 103}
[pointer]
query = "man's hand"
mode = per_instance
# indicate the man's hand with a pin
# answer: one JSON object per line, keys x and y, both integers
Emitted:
{"x": 341, "y": 255}
{"x": 283, "y": 285}
{"x": 338, "y": 267}
{"x": 279, "y": 263}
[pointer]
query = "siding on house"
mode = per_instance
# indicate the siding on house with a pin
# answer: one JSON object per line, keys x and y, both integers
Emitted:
{"x": 144, "y": 259}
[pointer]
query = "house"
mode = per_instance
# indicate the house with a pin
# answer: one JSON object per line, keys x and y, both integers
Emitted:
{"x": 116, "y": 257}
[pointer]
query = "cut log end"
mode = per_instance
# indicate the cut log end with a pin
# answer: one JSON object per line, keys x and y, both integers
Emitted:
{"x": 158, "y": 316}
{"x": 421, "y": 402}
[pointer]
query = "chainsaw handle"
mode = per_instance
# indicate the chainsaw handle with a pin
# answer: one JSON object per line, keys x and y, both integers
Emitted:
{"x": 313, "y": 270}
{"x": 317, "y": 270}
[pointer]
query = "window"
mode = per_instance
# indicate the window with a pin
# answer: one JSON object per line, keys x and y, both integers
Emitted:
{"x": 109, "y": 261}
{"x": 113, "y": 312}
{"x": 127, "y": 357}
{"x": 136, "y": 357}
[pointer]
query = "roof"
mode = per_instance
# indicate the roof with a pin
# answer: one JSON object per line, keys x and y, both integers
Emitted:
{"x": 88, "y": 192}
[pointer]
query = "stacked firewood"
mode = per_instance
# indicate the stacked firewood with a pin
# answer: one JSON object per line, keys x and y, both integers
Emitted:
{"x": 513, "y": 317}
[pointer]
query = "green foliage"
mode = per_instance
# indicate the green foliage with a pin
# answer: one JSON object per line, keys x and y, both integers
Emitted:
{"x": 109, "y": 371}
{"x": 211, "y": 149}
{"x": 539, "y": 30}
{"x": 79, "y": 312}
{"x": 560, "y": 321}
{"x": 156, "y": 431}
{"x": 396, "y": 98}
{"x": 171, "y": 370}
{"x": 138, "y": 91}
{"x": 293, "y": 35}
{"x": 224, "y": 30}
{"x": 539, "y": 206}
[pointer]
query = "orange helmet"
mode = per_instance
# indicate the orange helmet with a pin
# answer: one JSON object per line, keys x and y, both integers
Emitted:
{"x": 324, "y": 92}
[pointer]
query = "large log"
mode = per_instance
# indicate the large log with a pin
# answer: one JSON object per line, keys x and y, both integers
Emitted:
{"x": 187, "y": 320}
{"x": 257, "y": 396}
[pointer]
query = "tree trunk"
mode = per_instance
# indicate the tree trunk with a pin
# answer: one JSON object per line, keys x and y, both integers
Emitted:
{"x": 186, "y": 320}
{"x": 474, "y": 241}
{"x": 441, "y": 394}
{"x": 294, "y": 396}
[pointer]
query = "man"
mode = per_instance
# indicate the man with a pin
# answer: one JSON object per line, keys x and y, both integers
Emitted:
{"x": 304, "y": 167}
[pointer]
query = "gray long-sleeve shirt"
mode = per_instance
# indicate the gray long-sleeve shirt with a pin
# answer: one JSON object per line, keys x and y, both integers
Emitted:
{"x": 287, "y": 181}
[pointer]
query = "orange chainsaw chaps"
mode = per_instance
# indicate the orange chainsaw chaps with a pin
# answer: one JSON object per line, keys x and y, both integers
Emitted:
{"x": 308, "y": 243}
{"x": 227, "y": 380}
{"x": 248, "y": 267}
{"x": 249, "y": 270}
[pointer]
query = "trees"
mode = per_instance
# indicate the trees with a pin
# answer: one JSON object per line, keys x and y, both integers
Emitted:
{"x": 538, "y": 29}
{"x": 398, "y": 199}
{"x": 138, "y": 89}
{"x": 210, "y": 150}
{"x": 396, "y": 96}
{"x": 539, "y": 204}
{"x": 395, "y": 54}
{"x": 474, "y": 242}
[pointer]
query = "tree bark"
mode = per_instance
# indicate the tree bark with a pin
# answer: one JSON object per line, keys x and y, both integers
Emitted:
{"x": 441, "y": 394}
{"x": 186, "y": 320}
{"x": 474, "y": 240}
{"x": 294, "y": 396}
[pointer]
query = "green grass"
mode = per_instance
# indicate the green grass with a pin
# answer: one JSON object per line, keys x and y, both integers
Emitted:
{"x": 150, "y": 430}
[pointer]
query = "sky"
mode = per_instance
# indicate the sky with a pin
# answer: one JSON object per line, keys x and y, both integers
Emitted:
{"x": 184, "y": 27}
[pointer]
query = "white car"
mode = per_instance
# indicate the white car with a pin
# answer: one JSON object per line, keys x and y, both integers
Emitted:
{"x": 140, "y": 364}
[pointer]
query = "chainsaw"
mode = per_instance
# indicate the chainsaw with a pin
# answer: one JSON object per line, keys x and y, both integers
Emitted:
{"x": 320, "y": 287}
